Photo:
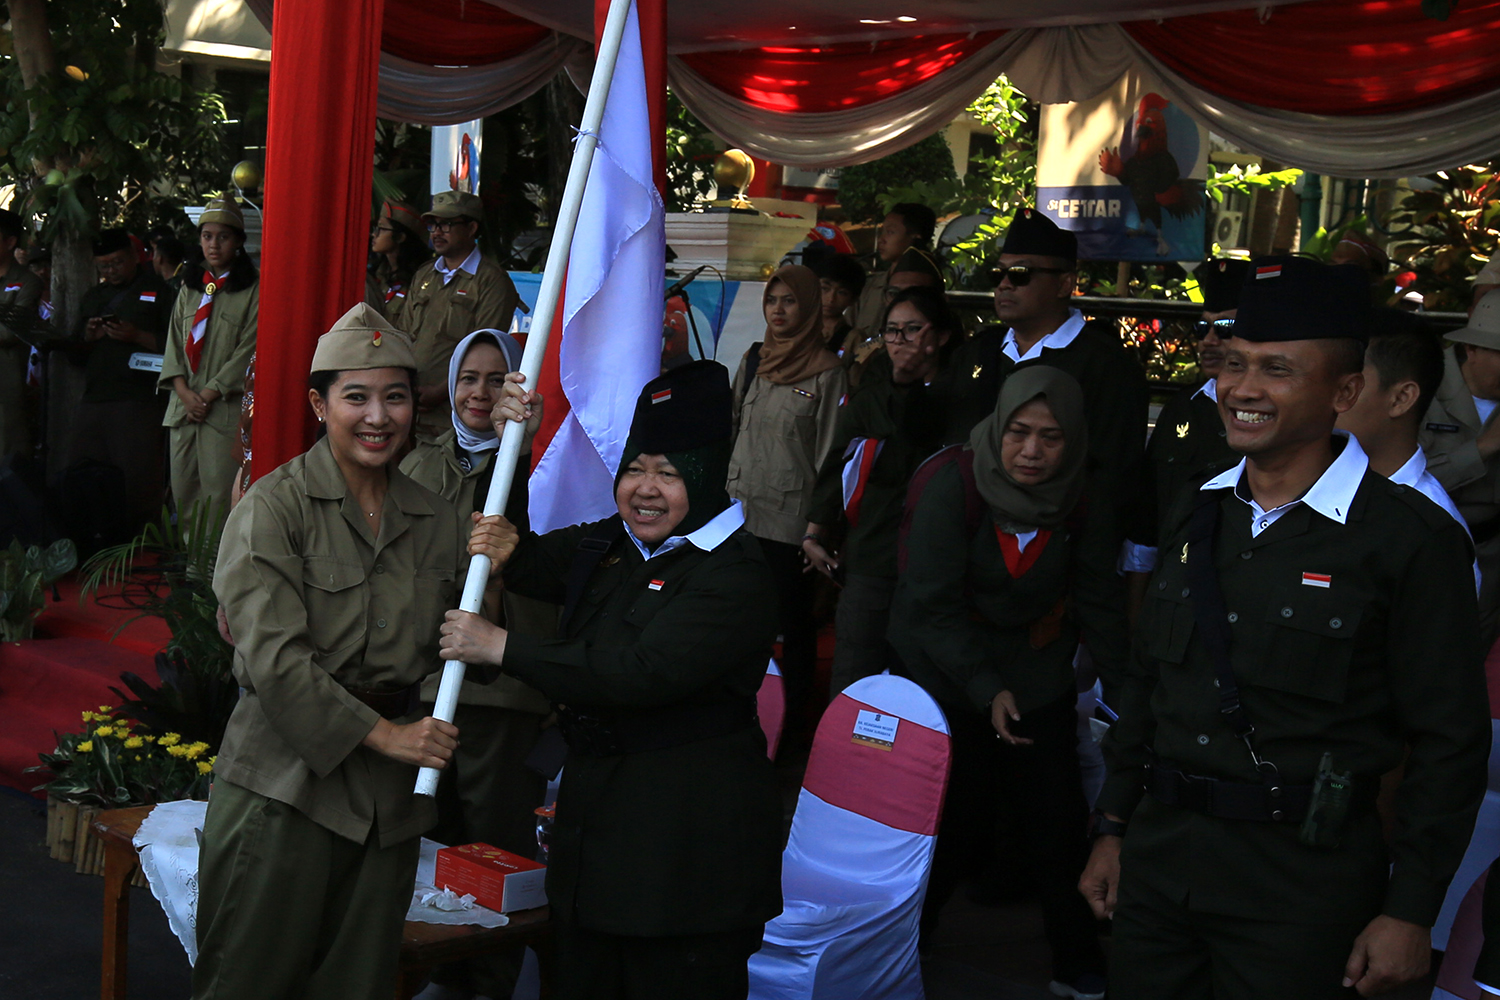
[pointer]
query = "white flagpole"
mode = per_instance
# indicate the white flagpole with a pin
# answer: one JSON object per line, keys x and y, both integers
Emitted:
{"x": 536, "y": 342}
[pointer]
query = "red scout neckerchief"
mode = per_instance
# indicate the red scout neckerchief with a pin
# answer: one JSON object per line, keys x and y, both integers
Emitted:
{"x": 1017, "y": 561}
{"x": 194, "y": 345}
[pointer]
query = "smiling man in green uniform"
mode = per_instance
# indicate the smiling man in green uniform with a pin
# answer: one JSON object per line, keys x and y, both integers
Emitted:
{"x": 458, "y": 292}
{"x": 1309, "y": 626}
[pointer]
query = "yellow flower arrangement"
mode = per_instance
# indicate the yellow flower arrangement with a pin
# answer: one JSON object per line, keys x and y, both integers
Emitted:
{"x": 204, "y": 767}
{"x": 195, "y": 750}
{"x": 113, "y": 761}
{"x": 104, "y": 731}
{"x": 85, "y": 746}
{"x": 170, "y": 740}
{"x": 134, "y": 743}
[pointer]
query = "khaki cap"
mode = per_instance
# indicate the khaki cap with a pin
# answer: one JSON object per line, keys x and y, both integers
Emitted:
{"x": 1484, "y": 325}
{"x": 362, "y": 338}
{"x": 398, "y": 213}
{"x": 1490, "y": 273}
{"x": 225, "y": 211}
{"x": 452, "y": 204}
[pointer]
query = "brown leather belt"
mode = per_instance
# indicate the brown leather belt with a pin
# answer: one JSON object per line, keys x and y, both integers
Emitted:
{"x": 389, "y": 703}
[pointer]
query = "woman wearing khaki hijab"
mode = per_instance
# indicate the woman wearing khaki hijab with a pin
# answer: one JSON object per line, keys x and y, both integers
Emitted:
{"x": 786, "y": 398}
{"x": 1007, "y": 568}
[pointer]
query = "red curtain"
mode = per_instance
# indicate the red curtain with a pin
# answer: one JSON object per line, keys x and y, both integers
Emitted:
{"x": 833, "y": 77}
{"x": 1334, "y": 57}
{"x": 455, "y": 32}
{"x": 317, "y": 202}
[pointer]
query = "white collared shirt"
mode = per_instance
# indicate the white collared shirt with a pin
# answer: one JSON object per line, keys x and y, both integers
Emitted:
{"x": 1209, "y": 389}
{"x": 470, "y": 264}
{"x": 1330, "y": 496}
{"x": 709, "y": 537}
{"x": 1414, "y": 474}
{"x": 1056, "y": 340}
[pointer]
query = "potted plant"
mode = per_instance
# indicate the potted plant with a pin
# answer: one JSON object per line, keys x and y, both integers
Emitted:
{"x": 112, "y": 762}
{"x": 25, "y": 573}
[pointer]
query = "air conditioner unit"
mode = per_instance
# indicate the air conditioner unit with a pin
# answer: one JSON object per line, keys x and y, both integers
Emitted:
{"x": 1229, "y": 228}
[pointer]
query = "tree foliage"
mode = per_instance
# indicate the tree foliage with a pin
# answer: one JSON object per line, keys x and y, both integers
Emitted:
{"x": 1446, "y": 232}
{"x": 109, "y": 140}
{"x": 861, "y": 186}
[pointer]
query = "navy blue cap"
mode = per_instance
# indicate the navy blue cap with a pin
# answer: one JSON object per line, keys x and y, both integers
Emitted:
{"x": 1298, "y": 298}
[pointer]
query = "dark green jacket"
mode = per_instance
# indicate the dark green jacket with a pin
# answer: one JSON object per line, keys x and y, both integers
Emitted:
{"x": 146, "y": 302}
{"x": 682, "y": 840}
{"x": 909, "y": 419}
{"x": 1382, "y": 665}
{"x": 1187, "y": 447}
{"x": 967, "y": 630}
{"x": 1115, "y": 402}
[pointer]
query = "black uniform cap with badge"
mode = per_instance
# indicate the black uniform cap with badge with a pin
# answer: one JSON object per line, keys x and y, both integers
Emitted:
{"x": 1033, "y": 234}
{"x": 686, "y": 414}
{"x": 1288, "y": 298}
{"x": 914, "y": 260}
{"x": 1220, "y": 281}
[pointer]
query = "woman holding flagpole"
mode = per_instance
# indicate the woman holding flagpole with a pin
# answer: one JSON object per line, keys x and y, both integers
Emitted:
{"x": 665, "y": 854}
{"x": 209, "y": 344}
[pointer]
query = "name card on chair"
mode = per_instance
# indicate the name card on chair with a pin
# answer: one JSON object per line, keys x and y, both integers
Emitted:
{"x": 874, "y": 729}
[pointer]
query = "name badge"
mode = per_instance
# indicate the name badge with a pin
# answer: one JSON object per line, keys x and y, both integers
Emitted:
{"x": 875, "y": 729}
{"x": 1445, "y": 428}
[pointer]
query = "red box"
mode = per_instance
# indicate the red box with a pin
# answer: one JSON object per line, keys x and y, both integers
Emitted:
{"x": 496, "y": 879}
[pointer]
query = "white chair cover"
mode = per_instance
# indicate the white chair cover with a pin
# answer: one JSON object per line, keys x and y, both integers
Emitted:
{"x": 770, "y": 706}
{"x": 855, "y": 869}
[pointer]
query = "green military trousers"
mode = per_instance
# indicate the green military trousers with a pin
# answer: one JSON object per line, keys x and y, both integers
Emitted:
{"x": 290, "y": 910}
{"x": 205, "y": 458}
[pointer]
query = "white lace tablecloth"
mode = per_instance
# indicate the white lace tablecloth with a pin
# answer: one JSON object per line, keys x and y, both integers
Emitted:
{"x": 168, "y": 845}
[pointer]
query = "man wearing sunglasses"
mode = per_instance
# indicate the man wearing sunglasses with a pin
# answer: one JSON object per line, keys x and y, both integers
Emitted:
{"x": 1035, "y": 278}
{"x": 1189, "y": 440}
{"x": 451, "y": 297}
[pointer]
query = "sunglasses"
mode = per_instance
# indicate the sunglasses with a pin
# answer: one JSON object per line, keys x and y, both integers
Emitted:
{"x": 1224, "y": 328}
{"x": 1020, "y": 274}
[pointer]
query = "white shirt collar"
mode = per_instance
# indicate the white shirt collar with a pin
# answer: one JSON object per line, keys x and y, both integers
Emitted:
{"x": 1209, "y": 389}
{"x": 709, "y": 537}
{"x": 1056, "y": 340}
{"x": 1330, "y": 496}
{"x": 470, "y": 264}
{"x": 1411, "y": 473}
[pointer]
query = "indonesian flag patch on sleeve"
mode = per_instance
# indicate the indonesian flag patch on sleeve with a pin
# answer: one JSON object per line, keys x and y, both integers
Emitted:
{"x": 661, "y": 397}
{"x": 656, "y": 584}
{"x": 12, "y": 288}
{"x": 148, "y": 296}
{"x": 1324, "y": 580}
{"x": 1270, "y": 271}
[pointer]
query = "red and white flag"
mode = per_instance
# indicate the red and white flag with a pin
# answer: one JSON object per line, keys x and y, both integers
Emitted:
{"x": 611, "y": 311}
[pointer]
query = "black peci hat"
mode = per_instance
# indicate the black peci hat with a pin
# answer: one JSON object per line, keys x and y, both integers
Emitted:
{"x": 1298, "y": 298}
{"x": 1220, "y": 280}
{"x": 684, "y": 409}
{"x": 1032, "y": 232}
{"x": 111, "y": 241}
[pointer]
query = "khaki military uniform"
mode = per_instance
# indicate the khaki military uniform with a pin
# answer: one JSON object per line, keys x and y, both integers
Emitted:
{"x": 1358, "y": 639}
{"x": 21, "y": 289}
{"x": 1449, "y": 437}
{"x": 438, "y": 316}
{"x": 204, "y": 458}
{"x": 311, "y": 840}
{"x": 870, "y": 309}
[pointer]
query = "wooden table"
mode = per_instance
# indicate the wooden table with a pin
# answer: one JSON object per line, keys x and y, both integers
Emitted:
{"x": 423, "y": 945}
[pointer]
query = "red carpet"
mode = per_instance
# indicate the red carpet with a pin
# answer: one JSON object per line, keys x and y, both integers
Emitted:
{"x": 45, "y": 683}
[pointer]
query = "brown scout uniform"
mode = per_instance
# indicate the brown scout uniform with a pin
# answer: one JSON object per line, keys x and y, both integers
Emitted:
{"x": 310, "y": 846}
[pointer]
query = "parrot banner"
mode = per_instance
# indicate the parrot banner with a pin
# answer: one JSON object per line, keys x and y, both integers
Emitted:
{"x": 1125, "y": 171}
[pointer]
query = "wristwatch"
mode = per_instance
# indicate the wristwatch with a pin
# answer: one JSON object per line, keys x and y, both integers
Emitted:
{"x": 1103, "y": 826}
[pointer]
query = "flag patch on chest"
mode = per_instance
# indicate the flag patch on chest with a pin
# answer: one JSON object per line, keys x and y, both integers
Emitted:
{"x": 148, "y": 296}
{"x": 1324, "y": 580}
{"x": 662, "y": 396}
{"x": 656, "y": 584}
{"x": 12, "y": 288}
{"x": 1272, "y": 271}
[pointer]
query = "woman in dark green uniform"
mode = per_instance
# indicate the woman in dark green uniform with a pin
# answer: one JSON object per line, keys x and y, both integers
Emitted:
{"x": 666, "y": 850}
{"x": 1007, "y": 569}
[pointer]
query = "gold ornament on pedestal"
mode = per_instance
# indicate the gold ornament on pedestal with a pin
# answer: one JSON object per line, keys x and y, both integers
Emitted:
{"x": 246, "y": 175}
{"x": 734, "y": 169}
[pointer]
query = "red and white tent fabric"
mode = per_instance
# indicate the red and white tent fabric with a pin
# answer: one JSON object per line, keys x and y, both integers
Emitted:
{"x": 1347, "y": 87}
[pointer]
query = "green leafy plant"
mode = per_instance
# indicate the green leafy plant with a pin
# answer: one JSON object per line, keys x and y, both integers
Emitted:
{"x": 1446, "y": 231}
{"x": 861, "y": 186}
{"x": 113, "y": 762}
{"x": 197, "y": 691}
{"x": 1247, "y": 180}
{"x": 25, "y": 572}
{"x": 691, "y": 151}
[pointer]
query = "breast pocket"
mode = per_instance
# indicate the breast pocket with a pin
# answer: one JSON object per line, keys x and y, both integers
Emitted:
{"x": 435, "y": 596}
{"x": 1309, "y": 646}
{"x": 336, "y": 598}
{"x": 1167, "y": 625}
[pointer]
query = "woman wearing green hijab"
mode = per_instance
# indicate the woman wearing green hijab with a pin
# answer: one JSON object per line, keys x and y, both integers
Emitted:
{"x": 1008, "y": 568}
